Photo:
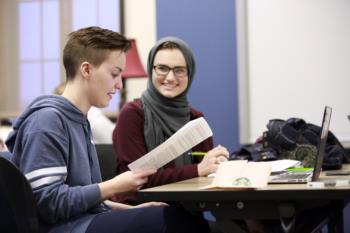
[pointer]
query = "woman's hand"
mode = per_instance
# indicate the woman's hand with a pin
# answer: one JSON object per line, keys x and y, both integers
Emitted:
{"x": 125, "y": 182}
{"x": 150, "y": 204}
{"x": 132, "y": 181}
{"x": 120, "y": 206}
{"x": 211, "y": 160}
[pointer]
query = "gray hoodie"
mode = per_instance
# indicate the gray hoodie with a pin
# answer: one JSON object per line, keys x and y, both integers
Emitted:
{"x": 52, "y": 145}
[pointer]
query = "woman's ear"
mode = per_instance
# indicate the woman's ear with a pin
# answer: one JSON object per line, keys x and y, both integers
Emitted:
{"x": 85, "y": 69}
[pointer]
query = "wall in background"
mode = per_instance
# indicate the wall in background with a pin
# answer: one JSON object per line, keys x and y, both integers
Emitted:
{"x": 298, "y": 55}
{"x": 209, "y": 28}
{"x": 140, "y": 24}
{"x": 2, "y": 31}
{"x": 9, "y": 54}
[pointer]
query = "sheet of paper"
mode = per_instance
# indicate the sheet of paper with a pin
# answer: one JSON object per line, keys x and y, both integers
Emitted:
{"x": 276, "y": 165}
{"x": 282, "y": 164}
{"x": 241, "y": 174}
{"x": 183, "y": 140}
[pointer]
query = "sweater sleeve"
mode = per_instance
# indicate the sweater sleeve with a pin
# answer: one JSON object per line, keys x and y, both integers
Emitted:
{"x": 44, "y": 161}
{"x": 129, "y": 144}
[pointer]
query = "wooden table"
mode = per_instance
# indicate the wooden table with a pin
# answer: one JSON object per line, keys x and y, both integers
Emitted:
{"x": 276, "y": 201}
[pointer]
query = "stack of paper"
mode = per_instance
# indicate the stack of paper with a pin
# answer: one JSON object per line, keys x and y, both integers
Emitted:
{"x": 183, "y": 140}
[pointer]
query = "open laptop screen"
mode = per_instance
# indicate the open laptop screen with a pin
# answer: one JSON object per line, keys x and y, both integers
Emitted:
{"x": 322, "y": 142}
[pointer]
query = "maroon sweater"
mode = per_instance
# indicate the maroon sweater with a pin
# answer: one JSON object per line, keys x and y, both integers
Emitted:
{"x": 129, "y": 145}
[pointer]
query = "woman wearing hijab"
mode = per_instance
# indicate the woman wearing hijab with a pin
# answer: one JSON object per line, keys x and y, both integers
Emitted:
{"x": 145, "y": 123}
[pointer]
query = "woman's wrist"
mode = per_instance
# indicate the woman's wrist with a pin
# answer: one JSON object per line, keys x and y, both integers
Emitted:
{"x": 117, "y": 205}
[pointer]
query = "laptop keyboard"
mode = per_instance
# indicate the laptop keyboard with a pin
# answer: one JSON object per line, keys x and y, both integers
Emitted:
{"x": 292, "y": 176}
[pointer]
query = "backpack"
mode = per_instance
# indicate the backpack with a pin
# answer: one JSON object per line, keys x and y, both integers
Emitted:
{"x": 255, "y": 152}
{"x": 298, "y": 140}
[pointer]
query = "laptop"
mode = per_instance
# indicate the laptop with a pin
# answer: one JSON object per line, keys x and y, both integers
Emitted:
{"x": 312, "y": 175}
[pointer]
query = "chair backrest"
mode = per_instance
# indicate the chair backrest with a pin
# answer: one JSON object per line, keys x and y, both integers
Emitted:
{"x": 107, "y": 159}
{"x": 18, "y": 210}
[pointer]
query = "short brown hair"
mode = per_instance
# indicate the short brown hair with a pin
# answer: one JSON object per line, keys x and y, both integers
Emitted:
{"x": 91, "y": 44}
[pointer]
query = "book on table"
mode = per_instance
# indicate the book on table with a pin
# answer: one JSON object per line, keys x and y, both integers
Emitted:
{"x": 241, "y": 174}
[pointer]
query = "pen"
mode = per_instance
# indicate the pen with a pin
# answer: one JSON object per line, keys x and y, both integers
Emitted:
{"x": 328, "y": 183}
{"x": 198, "y": 153}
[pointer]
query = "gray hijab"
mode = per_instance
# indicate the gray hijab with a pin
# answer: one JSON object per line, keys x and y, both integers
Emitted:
{"x": 164, "y": 116}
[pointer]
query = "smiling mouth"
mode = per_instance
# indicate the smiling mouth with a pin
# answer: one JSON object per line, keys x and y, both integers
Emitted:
{"x": 169, "y": 86}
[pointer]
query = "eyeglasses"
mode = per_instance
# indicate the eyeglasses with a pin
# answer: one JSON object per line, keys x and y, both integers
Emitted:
{"x": 163, "y": 70}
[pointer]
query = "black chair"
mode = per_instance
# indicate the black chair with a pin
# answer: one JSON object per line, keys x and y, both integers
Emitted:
{"x": 18, "y": 210}
{"x": 107, "y": 159}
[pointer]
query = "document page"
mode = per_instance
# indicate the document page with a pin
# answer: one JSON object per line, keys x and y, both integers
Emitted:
{"x": 282, "y": 164}
{"x": 183, "y": 140}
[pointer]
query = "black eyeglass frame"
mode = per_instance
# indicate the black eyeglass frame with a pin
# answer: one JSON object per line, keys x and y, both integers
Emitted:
{"x": 171, "y": 69}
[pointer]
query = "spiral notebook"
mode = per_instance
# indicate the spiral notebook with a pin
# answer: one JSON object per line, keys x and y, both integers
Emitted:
{"x": 312, "y": 175}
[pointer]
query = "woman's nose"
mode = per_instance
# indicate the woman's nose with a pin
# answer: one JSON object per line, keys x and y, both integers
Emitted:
{"x": 170, "y": 76}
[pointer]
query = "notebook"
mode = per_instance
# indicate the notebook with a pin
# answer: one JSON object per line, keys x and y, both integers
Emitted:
{"x": 312, "y": 175}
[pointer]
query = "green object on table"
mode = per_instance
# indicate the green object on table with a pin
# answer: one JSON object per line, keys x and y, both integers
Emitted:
{"x": 300, "y": 169}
